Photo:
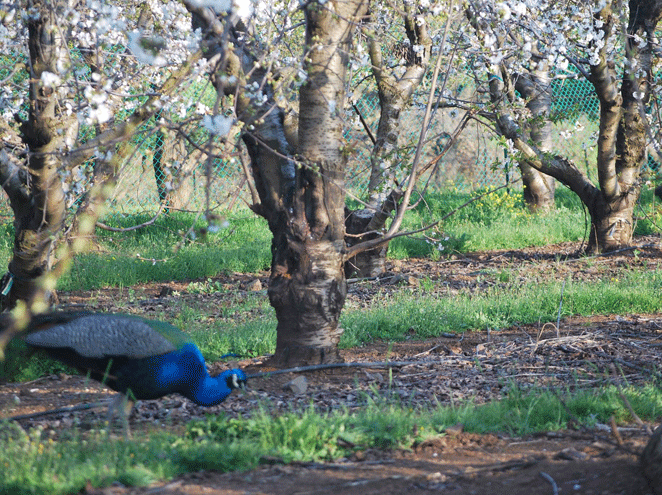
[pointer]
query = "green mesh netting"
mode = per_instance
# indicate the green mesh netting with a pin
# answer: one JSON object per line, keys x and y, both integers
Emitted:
{"x": 164, "y": 169}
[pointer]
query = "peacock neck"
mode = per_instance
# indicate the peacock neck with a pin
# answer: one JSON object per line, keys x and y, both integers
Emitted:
{"x": 199, "y": 386}
{"x": 210, "y": 391}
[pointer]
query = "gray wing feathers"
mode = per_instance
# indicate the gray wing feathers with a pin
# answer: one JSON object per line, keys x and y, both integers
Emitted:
{"x": 101, "y": 336}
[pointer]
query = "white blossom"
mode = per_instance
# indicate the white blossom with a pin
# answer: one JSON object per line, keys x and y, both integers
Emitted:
{"x": 503, "y": 11}
{"x": 218, "y": 125}
{"x": 50, "y": 80}
{"x": 244, "y": 8}
{"x": 145, "y": 51}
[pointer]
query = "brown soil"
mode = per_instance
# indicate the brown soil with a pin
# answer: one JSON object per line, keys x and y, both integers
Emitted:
{"x": 476, "y": 366}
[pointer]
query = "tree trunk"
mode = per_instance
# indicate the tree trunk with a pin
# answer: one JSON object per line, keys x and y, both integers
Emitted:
{"x": 307, "y": 284}
{"x": 307, "y": 289}
{"x": 651, "y": 461}
{"x": 162, "y": 175}
{"x": 621, "y": 144}
{"x": 386, "y": 160}
{"x": 39, "y": 206}
{"x": 172, "y": 170}
{"x": 539, "y": 188}
{"x": 303, "y": 200}
{"x": 371, "y": 262}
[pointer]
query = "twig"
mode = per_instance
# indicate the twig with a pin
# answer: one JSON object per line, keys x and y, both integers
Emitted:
{"x": 365, "y": 124}
{"x": 535, "y": 347}
{"x": 426, "y": 352}
{"x": 546, "y": 476}
{"x": 558, "y": 316}
{"x": 614, "y": 431}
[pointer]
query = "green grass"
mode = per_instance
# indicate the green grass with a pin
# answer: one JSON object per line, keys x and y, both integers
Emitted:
{"x": 247, "y": 326}
{"x": 34, "y": 462}
{"x": 163, "y": 251}
{"x": 497, "y": 221}
{"x": 428, "y": 315}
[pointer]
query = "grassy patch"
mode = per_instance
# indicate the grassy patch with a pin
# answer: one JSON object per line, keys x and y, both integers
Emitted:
{"x": 34, "y": 462}
{"x": 426, "y": 315}
{"x": 171, "y": 250}
{"x": 496, "y": 221}
{"x": 247, "y": 327}
{"x": 177, "y": 247}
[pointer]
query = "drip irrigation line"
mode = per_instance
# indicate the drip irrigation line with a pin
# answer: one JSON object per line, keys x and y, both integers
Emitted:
{"x": 316, "y": 367}
{"x": 79, "y": 407}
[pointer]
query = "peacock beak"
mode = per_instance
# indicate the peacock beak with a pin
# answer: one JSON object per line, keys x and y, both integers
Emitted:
{"x": 237, "y": 383}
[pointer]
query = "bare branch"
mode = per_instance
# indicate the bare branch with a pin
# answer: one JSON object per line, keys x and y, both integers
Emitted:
{"x": 126, "y": 129}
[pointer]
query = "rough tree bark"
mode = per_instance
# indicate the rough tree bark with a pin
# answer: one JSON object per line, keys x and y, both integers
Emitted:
{"x": 307, "y": 286}
{"x": 33, "y": 185}
{"x": 651, "y": 461}
{"x": 301, "y": 191}
{"x": 172, "y": 170}
{"x": 36, "y": 195}
{"x": 534, "y": 87}
{"x": 394, "y": 96}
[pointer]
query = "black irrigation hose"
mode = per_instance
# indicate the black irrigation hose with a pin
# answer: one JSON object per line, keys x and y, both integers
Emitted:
{"x": 79, "y": 407}
{"x": 316, "y": 367}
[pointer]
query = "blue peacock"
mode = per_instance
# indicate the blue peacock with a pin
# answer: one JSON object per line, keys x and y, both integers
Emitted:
{"x": 140, "y": 358}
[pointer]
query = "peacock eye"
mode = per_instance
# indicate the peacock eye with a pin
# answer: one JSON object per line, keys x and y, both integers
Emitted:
{"x": 235, "y": 382}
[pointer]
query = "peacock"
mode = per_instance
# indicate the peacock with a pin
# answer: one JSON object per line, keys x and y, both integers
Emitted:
{"x": 140, "y": 358}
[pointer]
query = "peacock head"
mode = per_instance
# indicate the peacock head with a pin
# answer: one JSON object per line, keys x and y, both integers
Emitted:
{"x": 235, "y": 378}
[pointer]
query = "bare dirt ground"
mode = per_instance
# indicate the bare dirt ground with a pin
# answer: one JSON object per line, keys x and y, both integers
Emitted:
{"x": 476, "y": 366}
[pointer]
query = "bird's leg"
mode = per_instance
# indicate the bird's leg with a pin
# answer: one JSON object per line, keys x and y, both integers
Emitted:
{"x": 126, "y": 412}
{"x": 112, "y": 407}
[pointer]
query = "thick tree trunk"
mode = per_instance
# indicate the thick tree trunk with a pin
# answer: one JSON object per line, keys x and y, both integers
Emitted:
{"x": 172, "y": 171}
{"x": 621, "y": 144}
{"x": 307, "y": 289}
{"x": 303, "y": 201}
{"x": 307, "y": 286}
{"x": 539, "y": 188}
{"x": 371, "y": 262}
{"x": 651, "y": 461}
{"x": 39, "y": 207}
{"x": 611, "y": 226}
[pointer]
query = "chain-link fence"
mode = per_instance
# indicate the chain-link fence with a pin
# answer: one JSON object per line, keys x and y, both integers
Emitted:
{"x": 187, "y": 169}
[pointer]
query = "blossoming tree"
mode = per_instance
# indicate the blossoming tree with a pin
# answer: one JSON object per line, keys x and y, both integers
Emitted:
{"x": 66, "y": 93}
{"x": 614, "y": 46}
{"x": 261, "y": 57}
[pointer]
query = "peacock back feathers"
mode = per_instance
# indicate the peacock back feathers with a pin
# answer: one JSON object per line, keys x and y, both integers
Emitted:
{"x": 94, "y": 335}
